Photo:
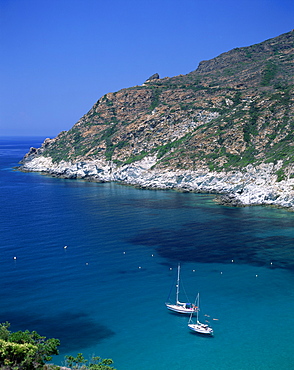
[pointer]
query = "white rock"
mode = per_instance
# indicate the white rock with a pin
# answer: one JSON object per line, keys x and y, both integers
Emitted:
{"x": 254, "y": 185}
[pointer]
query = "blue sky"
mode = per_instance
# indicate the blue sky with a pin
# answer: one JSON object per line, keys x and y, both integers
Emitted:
{"x": 58, "y": 57}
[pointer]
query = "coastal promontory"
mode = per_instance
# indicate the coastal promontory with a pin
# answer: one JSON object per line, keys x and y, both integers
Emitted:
{"x": 225, "y": 128}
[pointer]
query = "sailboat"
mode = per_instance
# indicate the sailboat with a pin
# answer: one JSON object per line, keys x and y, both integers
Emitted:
{"x": 180, "y": 307}
{"x": 199, "y": 327}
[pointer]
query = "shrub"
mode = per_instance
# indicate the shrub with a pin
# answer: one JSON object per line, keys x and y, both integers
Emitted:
{"x": 25, "y": 350}
{"x": 96, "y": 363}
{"x": 269, "y": 73}
{"x": 280, "y": 175}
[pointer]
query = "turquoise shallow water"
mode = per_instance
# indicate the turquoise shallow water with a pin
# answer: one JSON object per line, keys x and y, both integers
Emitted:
{"x": 104, "y": 294}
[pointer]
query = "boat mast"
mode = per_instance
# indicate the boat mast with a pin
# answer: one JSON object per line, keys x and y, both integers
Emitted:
{"x": 197, "y": 305}
{"x": 178, "y": 284}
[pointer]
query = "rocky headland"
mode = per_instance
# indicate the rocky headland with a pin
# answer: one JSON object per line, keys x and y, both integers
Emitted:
{"x": 225, "y": 128}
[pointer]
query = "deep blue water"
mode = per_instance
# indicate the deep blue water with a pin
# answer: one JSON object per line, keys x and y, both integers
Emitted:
{"x": 104, "y": 294}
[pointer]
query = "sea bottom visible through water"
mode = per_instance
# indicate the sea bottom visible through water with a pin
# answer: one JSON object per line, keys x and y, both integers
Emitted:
{"x": 93, "y": 265}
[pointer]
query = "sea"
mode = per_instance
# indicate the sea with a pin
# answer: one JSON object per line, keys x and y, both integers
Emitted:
{"x": 93, "y": 264}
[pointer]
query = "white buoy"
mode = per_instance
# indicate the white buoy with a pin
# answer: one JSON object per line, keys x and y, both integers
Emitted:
{"x": 221, "y": 272}
{"x": 65, "y": 247}
{"x": 271, "y": 263}
{"x": 14, "y": 258}
{"x": 232, "y": 260}
{"x": 193, "y": 270}
{"x": 140, "y": 267}
{"x": 256, "y": 275}
{"x": 124, "y": 252}
{"x": 87, "y": 263}
{"x": 152, "y": 255}
{"x": 170, "y": 268}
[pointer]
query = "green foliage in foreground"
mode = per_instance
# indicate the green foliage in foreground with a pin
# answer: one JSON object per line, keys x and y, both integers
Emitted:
{"x": 96, "y": 363}
{"x": 25, "y": 350}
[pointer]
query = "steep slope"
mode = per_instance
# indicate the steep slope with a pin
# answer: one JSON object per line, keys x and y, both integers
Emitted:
{"x": 232, "y": 116}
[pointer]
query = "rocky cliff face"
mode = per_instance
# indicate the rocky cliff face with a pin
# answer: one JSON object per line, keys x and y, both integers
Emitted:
{"x": 226, "y": 127}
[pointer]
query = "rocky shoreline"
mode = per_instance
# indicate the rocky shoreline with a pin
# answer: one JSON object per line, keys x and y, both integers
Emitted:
{"x": 225, "y": 128}
{"x": 251, "y": 186}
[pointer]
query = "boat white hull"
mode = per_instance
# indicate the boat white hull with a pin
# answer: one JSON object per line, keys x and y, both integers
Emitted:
{"x": 177, "y": 306}
{"x": 179, "y": 309}
{"x": 201, "y": 329}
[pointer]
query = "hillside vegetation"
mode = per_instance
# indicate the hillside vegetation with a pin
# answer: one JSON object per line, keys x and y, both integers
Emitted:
{"x": 232, "y": 110}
